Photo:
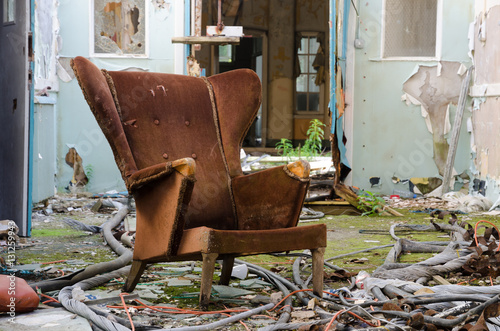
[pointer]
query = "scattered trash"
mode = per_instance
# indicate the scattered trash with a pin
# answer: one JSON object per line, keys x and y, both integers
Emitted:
{"x": 240, "y": 271}
{"x": 401, "y": 295}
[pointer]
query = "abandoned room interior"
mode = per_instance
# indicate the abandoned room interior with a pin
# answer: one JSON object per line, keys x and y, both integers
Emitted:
{"x": 250, "y": 165}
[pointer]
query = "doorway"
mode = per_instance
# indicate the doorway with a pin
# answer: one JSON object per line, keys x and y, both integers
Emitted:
{"x": 248, "y": 54}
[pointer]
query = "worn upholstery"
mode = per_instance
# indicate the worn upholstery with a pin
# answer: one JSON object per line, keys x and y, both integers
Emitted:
{"x": 176, "y": 141}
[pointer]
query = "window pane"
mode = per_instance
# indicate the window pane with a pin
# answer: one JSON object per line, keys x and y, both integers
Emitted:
{"x": 307, "y": 92}
{"x": 312, "y": 85}
{"x": 9, "y": 11}
{"x": 301, "y": 82}
{"x": 410, "y": 28}
{"x": 313, "y": 45}
{"x": 303, "y": 63}
{"x": 313, "y": 102}
{"x": 311, "y": 61}
{"x": 301, "y": 101}
{"x": 303, "y": 46}
{"x": 225, "y": 53}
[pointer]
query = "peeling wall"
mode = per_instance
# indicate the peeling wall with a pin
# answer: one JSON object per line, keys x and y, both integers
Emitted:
{"x": 435, "y": 88}
{"x": 390, "y": 138}
{"x": 486, "y": 93}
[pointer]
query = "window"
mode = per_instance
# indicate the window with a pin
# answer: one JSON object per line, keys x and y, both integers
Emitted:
{"x": 9, "y": 11}
{"x": 226, "y": 53}
{"x": 306, "y": 90}
{"x": 410, "y": 28}
{"x": 119, "y": 28}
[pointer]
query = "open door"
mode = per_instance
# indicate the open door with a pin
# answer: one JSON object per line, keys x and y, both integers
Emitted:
{"x": 248, "y": 54}
{"x": 15, "y": 115}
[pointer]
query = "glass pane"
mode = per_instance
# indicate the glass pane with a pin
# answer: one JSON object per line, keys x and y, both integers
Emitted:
{"x": 303, "y": 46}
{"x": 313, "y": 102}
{"x": 301, "y": 101}
{"x": 301, "y": 83}
{"x": 313, "y": 45}
{"x": 9, "y": 11}
{"x": 225, "y": 53}
{"x": 311, "y": 61}
{"x": 303, "y": 63}
{"x": 410, "y": 28}
{"x": 312, "y": 85}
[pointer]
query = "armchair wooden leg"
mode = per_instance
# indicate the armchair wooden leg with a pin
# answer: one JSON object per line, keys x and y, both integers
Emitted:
{"x": 317, "y": 269}
{"x": 227, "y": 269}
{"x": 207, "y": 276}
{"x": 134, "y": 276}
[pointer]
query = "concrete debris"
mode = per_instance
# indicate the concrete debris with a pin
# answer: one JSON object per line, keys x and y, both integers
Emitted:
{"x": 467, "y": 203}
{"x": 57, "y": 319}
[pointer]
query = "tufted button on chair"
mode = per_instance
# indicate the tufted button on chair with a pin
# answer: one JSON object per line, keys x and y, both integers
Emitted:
{"x": 176, "y": 141}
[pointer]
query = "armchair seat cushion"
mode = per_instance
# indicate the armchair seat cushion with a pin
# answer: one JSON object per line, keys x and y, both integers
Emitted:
{"x": 246, "y": 242}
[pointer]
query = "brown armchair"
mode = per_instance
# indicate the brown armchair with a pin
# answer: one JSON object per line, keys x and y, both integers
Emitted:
{"x": 176, "y": 140}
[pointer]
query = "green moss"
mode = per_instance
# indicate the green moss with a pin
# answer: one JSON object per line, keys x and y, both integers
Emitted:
{"x": 55, "y": 232}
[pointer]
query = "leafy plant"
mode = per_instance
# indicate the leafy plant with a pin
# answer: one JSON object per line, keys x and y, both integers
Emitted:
{"x": 284, "y": 147}
{"x": 370, "y": 204}
{"x": 315, "y": 135}
{"x": 312, "y": 145}
{"x": 89, "y": 171}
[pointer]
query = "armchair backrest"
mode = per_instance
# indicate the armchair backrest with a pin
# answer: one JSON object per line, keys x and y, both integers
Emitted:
{"x": 152, "y": 118}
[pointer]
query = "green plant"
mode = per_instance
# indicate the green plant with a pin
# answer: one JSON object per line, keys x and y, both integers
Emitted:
{"x": 284, "y": 147}
{"x": 312, "y": 145}
{"x": 370, "y": 204}
{"x": 315, "y": 135}
{"x": 89, "y": 171}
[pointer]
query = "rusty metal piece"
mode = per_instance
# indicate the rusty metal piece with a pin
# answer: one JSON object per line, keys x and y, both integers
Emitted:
{"x": 220, "y": 25}
{"x": 492, "y": 311}
{"x": 416, "y": 321}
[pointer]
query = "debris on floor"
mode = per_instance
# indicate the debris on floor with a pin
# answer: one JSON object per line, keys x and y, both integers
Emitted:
{"x": 450, "y": 283}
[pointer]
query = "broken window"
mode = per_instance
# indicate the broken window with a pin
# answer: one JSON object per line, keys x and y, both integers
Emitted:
{"x": 410, "y": 28}
{"x": 306, "y": 91}
{"x": 9, "y": 11}
{"x": 119, "y": 27}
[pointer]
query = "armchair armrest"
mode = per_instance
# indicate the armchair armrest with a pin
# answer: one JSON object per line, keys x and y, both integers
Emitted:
{"x": 271, "y": 199}
{"x": 161, "y": 207}
{"x": 154, "y": 173}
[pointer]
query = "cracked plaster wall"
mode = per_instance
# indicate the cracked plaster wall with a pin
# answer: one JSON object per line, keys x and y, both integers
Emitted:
{"x": 390, "y": 138}
{"x": 486, "y": 91}
{"x": 435, "y": 88}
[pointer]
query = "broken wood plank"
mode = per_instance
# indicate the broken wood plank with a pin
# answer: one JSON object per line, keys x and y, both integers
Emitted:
{"x": 219, "y": 40}
{"x": 441, "y": 280}
{"x": 348, "y": 195}
{"x": 452, "y": 150}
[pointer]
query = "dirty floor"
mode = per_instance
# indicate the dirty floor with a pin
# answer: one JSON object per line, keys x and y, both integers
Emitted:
{"x": 56, "y": 249}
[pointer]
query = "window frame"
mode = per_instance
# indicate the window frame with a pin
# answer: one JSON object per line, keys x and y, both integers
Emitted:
{"x": 308, "y": 113}
{"x": 114, "y": 55}
{"x": 439, "y": 37}
{"x": 6, "y": 20}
